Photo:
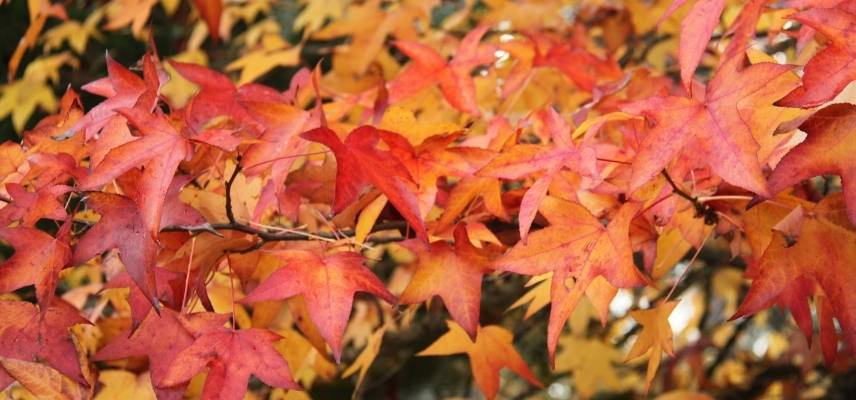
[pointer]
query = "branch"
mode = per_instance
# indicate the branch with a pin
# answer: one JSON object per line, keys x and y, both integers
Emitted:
{"x": 229, "y": 213}
{"x": 702, "y": 209}
{"x": 269, "y": 236}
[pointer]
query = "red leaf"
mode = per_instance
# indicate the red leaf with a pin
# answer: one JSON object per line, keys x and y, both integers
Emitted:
{"x": 327, "y": 284}
{"x": 232, "y": 356}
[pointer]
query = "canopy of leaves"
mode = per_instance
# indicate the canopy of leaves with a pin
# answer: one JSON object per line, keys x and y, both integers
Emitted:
{"x": 547, "y": 199}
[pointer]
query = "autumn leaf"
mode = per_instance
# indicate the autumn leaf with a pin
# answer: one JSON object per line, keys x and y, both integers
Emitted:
{"x": 160, "y": 338}
{"x": 121, "y": 227}
{"x": 30, "y": 334}
{"x": 491, "y": 351}
{"x": 575, "y": 245}
{"x": 441, "y": 264}
{"x": 123, "y": 89}
{"x": 826, "y": 150}
{"x": 709, "y": 124}
{"x": 158, "y": 151}
{"x": 831, "y": 69}
{"x": 696, "y": 29}
{"x": 359, "y": 162}
{"x": 232, "y": 356}
{"x": 365, "y": 359}
{"x": 788, "y": 272}
{"x": 28, "y": 207}
{"x": 656, "y": 336}
{"x": 38, "y": 259}
{"x": 453, "y": 77}
{"x": 210, "y": 11}
{"x": 524, "y": 159}
{"x": 327, "y": 284}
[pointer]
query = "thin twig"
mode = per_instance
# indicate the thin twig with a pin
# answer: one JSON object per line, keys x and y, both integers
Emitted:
{"x": 229, "y": 213}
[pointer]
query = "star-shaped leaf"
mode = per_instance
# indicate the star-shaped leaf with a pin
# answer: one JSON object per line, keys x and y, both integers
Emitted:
{"x": 828, "y": 149}
{"x": 327, "y": 284}
{"x": 232, "y": 356}
{"x": 443, "y": 264}
{"x": 492, "y": 350}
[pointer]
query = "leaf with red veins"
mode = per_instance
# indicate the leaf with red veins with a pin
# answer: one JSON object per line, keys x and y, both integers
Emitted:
{"x": 327, "y": 284}
{"x": 429, "y": 66}
{"x": 120, "y": 227}
{"x": 158, "y": 151}
{"x": 359, "y": 163}
{"x": 828, "y": 149}
{"x": 577, "y": 245}
{"x": 789, "y": 272}
{"x": 453, "y": 273}
{"x": 834, "y": 67}
{"x": 123, "y": 89}
{"x": 28, "y": 334}
{"x": 38, "y": 259}
{"x": 160, "y": 338}
{"x": 708, "y": 129}
{"x": 29, "y": 207}
{"x": 232, "y": 356}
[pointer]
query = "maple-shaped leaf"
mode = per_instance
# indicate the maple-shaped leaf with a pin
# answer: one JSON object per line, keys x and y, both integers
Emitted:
{"x": 828, "y": 149}
{"x": 232, "y": 356}
{"x": 577, "y": 245}
{"x": 359, "y": 162}
{"x": 120, "y": 227}
{"x": 28, "y": 207}
{"x": 492, "y": 350}
{"x": 30, "y": 334}
{"x": 656, "y": 336}
{"x": 327, "y": 284}
{"x": 160, "y": 338}
{"x": 709, "y": 128}
{"x": 834, "y": 67}
{"x": 433, "y": 159}
{"x": 38, "y": 259}
{"x": 523, "y": 159}
{"x": 170, "y": 290}
{"x": 175, "y": 212}
{"x": 158, "y": 151}
{"x": 570, "y": 57}
{"x": 429, "y": 66}
{"x": 791, "y": 270}
{"x": 217, "y": 97}
{"x": 123, "y": 89}
{"x": 453, "y": 273}
{"x": 279, "y": 145}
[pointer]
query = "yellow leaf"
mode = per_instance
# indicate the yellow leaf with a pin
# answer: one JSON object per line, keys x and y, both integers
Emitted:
{"x": 258, "y": 62}
{"x": 656, "y": 336}
{"x": 42, "y": 381}
{"x": 120, "y": 384}
{"x": 74, "y": 33}
{"x": 592, "y": 363}
{"x": 492, "y": 351}
{"x": 367, "y": 219}
{"x": 365, "y": 359}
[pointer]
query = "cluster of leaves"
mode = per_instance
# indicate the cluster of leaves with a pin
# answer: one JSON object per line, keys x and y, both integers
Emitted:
{"x": 187, "y": 232}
